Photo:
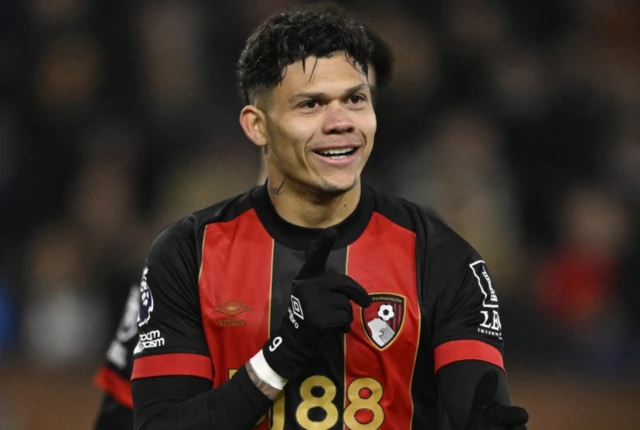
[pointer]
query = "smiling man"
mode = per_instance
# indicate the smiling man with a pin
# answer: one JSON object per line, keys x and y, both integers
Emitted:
{"x": 314, "y": 302}
{"x": 113, "y": 376}
{"x": 317, "y": 128}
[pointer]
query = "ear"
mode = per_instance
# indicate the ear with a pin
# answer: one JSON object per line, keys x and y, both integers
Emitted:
{"x": 253, "y": 122}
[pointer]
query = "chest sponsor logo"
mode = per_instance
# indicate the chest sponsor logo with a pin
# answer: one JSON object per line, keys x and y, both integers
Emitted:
{"x": 382, "y": 321}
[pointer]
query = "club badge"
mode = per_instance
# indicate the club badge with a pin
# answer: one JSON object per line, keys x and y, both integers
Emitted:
{"x": 382, "y": 321}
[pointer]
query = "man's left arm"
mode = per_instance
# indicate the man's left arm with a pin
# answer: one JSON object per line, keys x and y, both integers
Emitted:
{"x": 468, "y": 347}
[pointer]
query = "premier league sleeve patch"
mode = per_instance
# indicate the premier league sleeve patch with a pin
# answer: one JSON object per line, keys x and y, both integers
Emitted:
{"x": 382, "y": 321}
{"x": 146, "y": 300}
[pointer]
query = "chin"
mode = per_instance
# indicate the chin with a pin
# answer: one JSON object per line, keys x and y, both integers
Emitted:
{"x": 338, "y": 186}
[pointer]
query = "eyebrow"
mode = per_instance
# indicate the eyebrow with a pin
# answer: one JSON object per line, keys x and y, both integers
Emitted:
{"x": 324, "y": 96}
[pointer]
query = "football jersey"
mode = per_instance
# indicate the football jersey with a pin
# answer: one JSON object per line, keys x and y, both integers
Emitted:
{"x": 217, "y": 284}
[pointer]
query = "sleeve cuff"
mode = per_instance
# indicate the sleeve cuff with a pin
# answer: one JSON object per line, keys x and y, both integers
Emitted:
{"x": 459, "y": 350}
{"x": 172, "y": 365}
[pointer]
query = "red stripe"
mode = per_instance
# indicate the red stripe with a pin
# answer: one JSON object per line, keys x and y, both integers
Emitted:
{"x": 458, "y": 350}
{"x": 236, "y": 266}
{"x": 382, "y": 260}
{"x": 172, "y": 365}
{"x": 114, "y": 385}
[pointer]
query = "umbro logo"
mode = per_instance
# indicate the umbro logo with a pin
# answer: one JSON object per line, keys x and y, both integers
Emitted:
{"x": 232, "y": 308}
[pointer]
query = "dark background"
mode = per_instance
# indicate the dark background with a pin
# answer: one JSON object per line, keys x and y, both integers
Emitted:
{"x": 518, "y": 121}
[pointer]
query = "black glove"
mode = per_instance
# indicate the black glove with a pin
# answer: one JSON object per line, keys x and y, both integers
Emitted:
{"x": 487, "y": 414}
{"x": 320, "y": 302}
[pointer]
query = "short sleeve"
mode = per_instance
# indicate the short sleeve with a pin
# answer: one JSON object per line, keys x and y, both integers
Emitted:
{"x": 171, "y": 339}
{"x": 464, "y": 302}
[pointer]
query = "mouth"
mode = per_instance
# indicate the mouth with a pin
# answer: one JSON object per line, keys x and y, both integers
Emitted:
{"x": 338, "y": 156}
{"x": 336, "y": 153}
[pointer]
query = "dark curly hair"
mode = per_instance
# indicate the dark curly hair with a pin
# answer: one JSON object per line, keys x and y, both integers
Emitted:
{"x": 381, "y": 55}
{"x": 289, "y": 37}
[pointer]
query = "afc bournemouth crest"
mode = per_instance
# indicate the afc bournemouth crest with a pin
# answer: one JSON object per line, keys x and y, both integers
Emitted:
{"x": 382, "y": 321}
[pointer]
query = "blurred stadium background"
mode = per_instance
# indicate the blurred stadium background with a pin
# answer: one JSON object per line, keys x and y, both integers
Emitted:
{"x": 518, "y": 121}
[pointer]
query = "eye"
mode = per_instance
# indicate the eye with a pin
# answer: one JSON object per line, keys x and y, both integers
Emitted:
{"x": 357, "y": 98}
{"x": 309, "y": 104}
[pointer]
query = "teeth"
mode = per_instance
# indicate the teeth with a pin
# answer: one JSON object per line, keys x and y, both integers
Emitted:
{"x": 337, "y": 151}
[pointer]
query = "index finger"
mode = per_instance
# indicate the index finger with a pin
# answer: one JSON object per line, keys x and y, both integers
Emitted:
{"x": 318, "y": 253}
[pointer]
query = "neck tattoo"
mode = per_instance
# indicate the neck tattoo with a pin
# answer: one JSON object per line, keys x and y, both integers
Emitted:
{"x": 277, "y": 190}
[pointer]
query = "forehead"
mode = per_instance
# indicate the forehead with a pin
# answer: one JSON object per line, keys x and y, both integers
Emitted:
{"x": 327, "y": 75}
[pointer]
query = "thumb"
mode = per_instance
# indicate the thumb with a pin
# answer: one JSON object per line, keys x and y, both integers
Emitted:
{"x": 352, "y": 289}
{"x": 318, "y": 253}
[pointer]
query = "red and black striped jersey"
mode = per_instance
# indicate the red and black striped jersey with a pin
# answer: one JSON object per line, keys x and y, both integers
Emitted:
{"x": 217, "y": 284}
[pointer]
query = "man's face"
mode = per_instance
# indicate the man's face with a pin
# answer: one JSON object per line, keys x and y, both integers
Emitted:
{"x": 320, "y": 124}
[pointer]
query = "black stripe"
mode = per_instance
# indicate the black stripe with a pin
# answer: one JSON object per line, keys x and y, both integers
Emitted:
{"x": 286, "y": 263}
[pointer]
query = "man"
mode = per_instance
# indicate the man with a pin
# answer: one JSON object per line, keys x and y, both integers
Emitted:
{"x": 313, "y": 301}
{"x": 113, "y": 378}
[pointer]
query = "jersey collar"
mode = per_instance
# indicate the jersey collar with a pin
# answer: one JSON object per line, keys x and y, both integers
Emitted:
{"x": 296, "y": 237}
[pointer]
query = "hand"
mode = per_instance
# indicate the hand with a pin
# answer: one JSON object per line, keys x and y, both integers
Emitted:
{"x": 487, "y": 414}
{"x": 320, "y": 302}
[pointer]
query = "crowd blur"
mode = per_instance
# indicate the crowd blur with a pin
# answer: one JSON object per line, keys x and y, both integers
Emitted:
{"x": 518, "y": 122}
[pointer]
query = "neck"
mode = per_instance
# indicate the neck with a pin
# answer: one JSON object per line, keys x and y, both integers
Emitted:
{"x": 305, "y": 208}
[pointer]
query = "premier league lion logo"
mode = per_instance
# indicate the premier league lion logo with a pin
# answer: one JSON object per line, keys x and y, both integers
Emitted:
{"x": 146, "y": 300}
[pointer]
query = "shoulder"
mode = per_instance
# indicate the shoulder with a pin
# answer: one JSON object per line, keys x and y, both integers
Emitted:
{"x": 396, "y": 209}
{"x": 222, "y": 211}
{"x": 442, "y": 255}
{"x": 444, "y": 243}
{"x": 187, "y": 232}
{"x": 433, "y": 233}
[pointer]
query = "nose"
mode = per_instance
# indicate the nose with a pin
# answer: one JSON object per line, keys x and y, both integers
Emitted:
{"x": 338, "y": 121}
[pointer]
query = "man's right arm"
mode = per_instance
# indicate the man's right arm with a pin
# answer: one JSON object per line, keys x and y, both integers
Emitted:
{"x": 172, "y": 372}
{"x": 189, "y": 403}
